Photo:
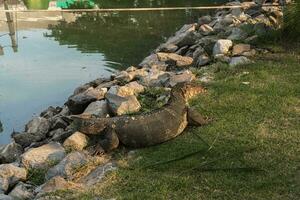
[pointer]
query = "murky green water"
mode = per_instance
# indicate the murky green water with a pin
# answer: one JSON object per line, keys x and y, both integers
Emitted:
{"x": 52, "y": 61}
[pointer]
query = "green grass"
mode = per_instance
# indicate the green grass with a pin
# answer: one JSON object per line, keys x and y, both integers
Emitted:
{"x": 251, "y": 149}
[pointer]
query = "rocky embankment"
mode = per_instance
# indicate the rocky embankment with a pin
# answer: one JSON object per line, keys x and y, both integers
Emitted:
{"x": 50, "y": 144}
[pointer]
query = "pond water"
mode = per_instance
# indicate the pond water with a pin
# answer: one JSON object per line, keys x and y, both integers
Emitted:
{"x": 53, "y": 57}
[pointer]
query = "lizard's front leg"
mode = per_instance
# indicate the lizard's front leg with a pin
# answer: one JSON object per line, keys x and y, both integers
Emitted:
{"x": 109, "y": 141}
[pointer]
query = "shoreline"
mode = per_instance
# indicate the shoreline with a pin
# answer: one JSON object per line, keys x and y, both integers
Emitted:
{"x": 229, "y": 37}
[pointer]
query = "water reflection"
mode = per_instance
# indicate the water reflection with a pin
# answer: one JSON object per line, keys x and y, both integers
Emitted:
{"x": 59, "y": 51}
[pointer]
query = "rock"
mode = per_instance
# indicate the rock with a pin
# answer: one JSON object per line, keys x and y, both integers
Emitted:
{"x": 35, "y": 131}
{"x": 59, "y": 135}
{"x": 222, "y": 58}
{"x": 43, "y": 156}
{"x": 122, "y": 91}
{"x": 204, "y": 20}
{"x": 168, "y": 48}
{"x": 10, "y": 153}
{"x": 78, "y": 103}
{"x": 185, "y": 36}
{"x": 239, "y": 61}
{"x": 77, "y": 141}
{"x": 123, "y": 105}
{"x": 58, "y": 122}
{"x": 11, "y": 175}
{"x": 237, "y": 34}
{"x": 5, "y": 197}
{"x": 222, "y": 47}
{"x": 50, "y": 112}
{"x": 239, "y": 49}
{"x": 124, "y": 76}
{"x": 22, "y": 191}
{"x": 184, "y": 77}
{"x": 178, "y": 60}
{"x": 97, "y": 108}
{"x": 155, "y": 77}
{"x": 68, "y": 165}
{"x": 135, "y": 87}
{"x": 202, "y": 60}
{"x": 205, "y": 29}
{"x": 151, "y": 60}
{"x": 97, "y": 174}
{"x": 54, "y": 184}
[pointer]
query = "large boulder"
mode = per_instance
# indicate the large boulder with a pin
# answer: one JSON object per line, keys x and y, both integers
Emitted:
{"x": 204, "y": 20}
{"x": 78, "y": 103}
{"x": 35, "y": 131}
{"x": 77, "y": 141}
{"x": 68, "y": 165}
{"x": 22, "y": 191}
{"x": 10, "y": 152}
{"x": 97, "y": 108}
{"x": 10, "y": 175}
{"x": 222, "y": 47}
{"x": 123, "y": 105}
{"x": 43, "y": 156}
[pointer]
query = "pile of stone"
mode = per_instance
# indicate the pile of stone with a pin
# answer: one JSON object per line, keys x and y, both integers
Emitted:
{"x": 49, "y": 141}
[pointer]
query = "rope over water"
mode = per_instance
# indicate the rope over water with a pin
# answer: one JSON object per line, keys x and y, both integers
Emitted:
{"x": 136, "y": 9}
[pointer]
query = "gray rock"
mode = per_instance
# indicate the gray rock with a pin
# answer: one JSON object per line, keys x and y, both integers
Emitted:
{"x": 22, "y": 191}
{"x": 222, "y": 47}
{"x": 239, "y": 61}
{"x": 58, "y": 122}
{"x": 59, "y": 135}
{"x": 50, "y": 112}
{"x": 68, "y": 165}
{"x": 11, "y": 175}
{"x": 97, "y": 108}
{"x": 168, "y": 48}
{"x": 237, "y": 34}
{"x": 124, "y": 76}
{"x": 202, "y": 60}
{"x": 35, "y": 131}
{"x": 151, "y": 60}
{"x": 77, "y": 141}
{"x": 78, "y": 103}
{"x": 43, "y": 156}
{"x": 123, "y": 105}
{"x": 97, "y": 174}
{"x": 204, "y": 20}
{"x": 185, "y": 36}
{"x": 10, "y": 153}
{"x": 5, "y": 197}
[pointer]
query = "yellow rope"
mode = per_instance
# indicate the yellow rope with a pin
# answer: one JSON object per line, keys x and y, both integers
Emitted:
{"x": 136, "y": 9}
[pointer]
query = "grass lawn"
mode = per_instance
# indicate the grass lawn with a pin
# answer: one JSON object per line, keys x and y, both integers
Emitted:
{"x": 251, "y": 150}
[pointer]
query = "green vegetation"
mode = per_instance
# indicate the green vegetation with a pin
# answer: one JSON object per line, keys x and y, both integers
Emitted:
{"x": 36, "y": 176}
{"x": 250, "y": 150}
{"x": 152, "y": 99}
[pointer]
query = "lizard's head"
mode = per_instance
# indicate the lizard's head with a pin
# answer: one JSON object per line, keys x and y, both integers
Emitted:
{"x": 191, "y": 90}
